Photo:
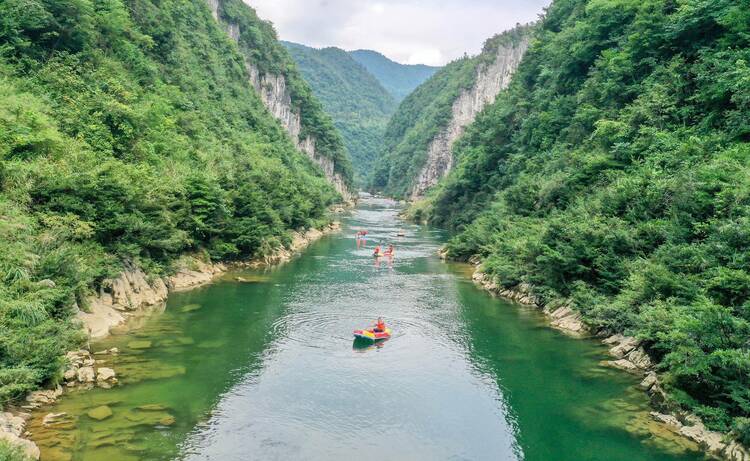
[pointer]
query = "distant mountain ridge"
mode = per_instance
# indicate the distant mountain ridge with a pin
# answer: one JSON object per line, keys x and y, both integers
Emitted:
{"x": 359, "y": 105}
{"x": 417, "y": 145}
{"x": 399, "y": 79}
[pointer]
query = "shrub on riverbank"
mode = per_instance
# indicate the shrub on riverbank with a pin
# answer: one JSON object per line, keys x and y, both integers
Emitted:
{"x": 616, "y": 171}
{"x": 8, "y": 453}
{"x": 128, "y": 132}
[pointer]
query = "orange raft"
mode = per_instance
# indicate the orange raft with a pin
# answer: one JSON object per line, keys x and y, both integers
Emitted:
{"x": 372, "y": 335}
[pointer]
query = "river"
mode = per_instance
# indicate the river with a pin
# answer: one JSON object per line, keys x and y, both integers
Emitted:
{"x": 266, "y": 370}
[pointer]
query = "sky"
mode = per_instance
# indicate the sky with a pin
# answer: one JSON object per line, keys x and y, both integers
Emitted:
{"x": 408, "y": 31}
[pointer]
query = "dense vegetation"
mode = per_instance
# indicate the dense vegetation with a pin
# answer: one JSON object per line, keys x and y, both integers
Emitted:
{"x": 399, "y": 79}
{"x": 426, "y": 112}
{"x": 357, "y": 102}
{"x": 259, "y": 43}
{"x": 129, "y": 134}
{"x": 616, "y": 171}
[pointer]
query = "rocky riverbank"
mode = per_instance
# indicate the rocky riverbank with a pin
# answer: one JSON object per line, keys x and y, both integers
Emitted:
{"x": 133, "y": 293}
{"x": 628, "y": 355}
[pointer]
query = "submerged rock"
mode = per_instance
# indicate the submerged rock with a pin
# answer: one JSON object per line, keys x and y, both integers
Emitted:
{"x": 100, "y": 413}
{"x": 152, "y": 407}
{"x": 190, "y": 308}
{"x": 52, "y": 418}
{"x": 142, "y": 344}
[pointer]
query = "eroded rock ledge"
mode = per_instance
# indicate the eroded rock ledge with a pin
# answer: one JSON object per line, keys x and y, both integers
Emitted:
{"x": 133, "y": 292}
{"x": 628, "y": 355}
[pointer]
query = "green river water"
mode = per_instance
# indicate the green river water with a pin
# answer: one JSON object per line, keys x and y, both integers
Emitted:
{"x": 267, "y": 371}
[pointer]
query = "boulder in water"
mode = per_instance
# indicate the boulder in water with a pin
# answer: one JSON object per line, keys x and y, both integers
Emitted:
{"x": 105, "y": 374}
{"x": 100, "y": 413}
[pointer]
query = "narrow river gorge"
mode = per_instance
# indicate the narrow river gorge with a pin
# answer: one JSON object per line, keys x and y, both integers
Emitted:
{"x": 266, "y": 369}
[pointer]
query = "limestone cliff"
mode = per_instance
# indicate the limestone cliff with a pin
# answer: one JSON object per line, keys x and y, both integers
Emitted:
{"x": 490, "y": 80}
{"x": 274, "y": 91}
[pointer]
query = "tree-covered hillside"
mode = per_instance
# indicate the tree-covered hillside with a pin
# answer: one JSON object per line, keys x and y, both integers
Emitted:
{"x": 423, "y": 114}
{"x": 129, "y": 133}
{"x": 259, "y": 43}
{"x": 615, "y": 171}
{"x": 399, "y": 79}
{"x": 358, "y": 104}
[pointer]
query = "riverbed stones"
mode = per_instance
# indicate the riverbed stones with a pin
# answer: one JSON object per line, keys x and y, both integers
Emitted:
{"x": 12, "y": 423}
{"x": 190, "y": 308}
{"x": 152, "y": 407}
{"x": 691, "y": 427}
{"x": 12, "y": 430}
{"x": 112, "y": 351}
{"x": 86, "y": 375}
{"x": 53, "y": 419}
{"x": 100, "y": 413}
{"x": 104, "y": 374}
{"x": 71, "y": 374}
{"x": 40, "y": 398}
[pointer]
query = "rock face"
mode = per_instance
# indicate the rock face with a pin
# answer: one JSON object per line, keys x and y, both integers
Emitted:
{"x": 274, "y": 92}
{"x": 490, "y": 80}
{"x": 561, "y": 315}
{"x": 11, "y": 431}
{"x": 630, "y": 356}
{"x": 691, "y": 427}
{"x": 131, "y": 292}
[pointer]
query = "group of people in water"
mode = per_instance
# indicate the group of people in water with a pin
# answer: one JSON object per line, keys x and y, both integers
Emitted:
{"x": 380, "y": 248}
{"x": 387, "y": 252}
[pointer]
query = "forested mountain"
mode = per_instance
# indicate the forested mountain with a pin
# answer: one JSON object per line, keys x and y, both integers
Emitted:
{"x": 357, "y": 102}
{"x": 615, "y": 172}
{"x": 419, "y": 138}
{"x": 130, "y": 134}
{"x": 399, "y": 79}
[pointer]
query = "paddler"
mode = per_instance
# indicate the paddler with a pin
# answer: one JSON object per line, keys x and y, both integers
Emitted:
{"x": 379, "y": 325}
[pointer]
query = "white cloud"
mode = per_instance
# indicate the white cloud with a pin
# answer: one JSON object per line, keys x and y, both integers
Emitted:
{"x": 409, "y": 31}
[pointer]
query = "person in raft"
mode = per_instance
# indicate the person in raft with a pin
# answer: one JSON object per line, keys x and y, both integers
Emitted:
{"x": 377, "y": 251}
{"x": 379, "y": 326}
{"x": 389, "y": 251}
